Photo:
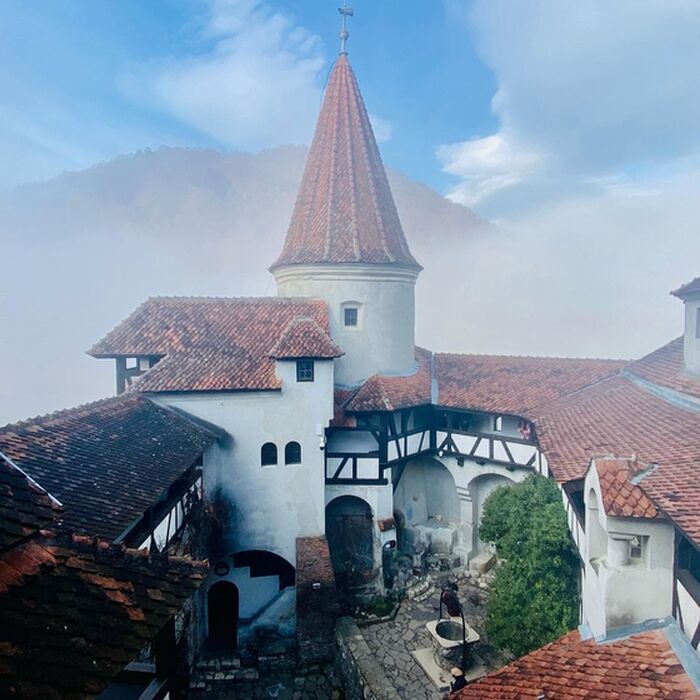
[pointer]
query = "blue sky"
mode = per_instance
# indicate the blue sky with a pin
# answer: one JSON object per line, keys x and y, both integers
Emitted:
{"x": 72, "y": 73}
{"x": 502, "y": 106}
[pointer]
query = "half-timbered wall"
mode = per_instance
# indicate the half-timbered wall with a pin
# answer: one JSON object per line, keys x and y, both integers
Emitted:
{"x": 686, "y": 588}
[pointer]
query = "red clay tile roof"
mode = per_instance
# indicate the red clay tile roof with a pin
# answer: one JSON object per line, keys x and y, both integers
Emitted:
{"x": 641, "y": 666}
{"x": 74, "y": 612}
{"x": 303, "y": 337}
{"x": 688, "y": 290}
{"x": 622, "y": 497}
{"x": 491, "y": 383}
{"x": 389, "y": 393}
{"x": 665, "y": 367}
{"x": 514, "y": 385}
{"x": 618, "y": 417}
{"x": 107, "y": 461}
{"x": 345, "y": 212}
{"x": 25, "y": 507}
{"x": 211, "y": 344}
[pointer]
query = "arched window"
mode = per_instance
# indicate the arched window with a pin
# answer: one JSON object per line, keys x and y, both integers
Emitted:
{"x": 268, "y": 454}
{"x": 292, "y": 453}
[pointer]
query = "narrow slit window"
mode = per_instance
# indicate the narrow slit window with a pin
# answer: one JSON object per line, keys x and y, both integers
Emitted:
{"x": 498, "y": 423}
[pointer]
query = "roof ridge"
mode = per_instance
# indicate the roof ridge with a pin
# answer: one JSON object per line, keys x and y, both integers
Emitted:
{"x": 533, "y": 357}
{"x": 71, "y": 410}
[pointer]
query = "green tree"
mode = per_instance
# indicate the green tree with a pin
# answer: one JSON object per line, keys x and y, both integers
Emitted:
{"x": 534, "y": 597}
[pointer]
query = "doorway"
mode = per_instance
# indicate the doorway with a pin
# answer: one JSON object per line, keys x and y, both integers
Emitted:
{"x": 222, "y": 605}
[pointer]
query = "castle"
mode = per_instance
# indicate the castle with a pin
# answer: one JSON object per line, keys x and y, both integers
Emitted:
{"x": 321, "y": 436}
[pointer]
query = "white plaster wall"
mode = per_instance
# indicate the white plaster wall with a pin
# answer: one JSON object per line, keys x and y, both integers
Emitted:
{"x": 622, "y": 595}
{"x": 691, "y": 342}
{"x": 384, "y": 340}
{"x": 464, "y": 478}
{"x": 274, "y": 505}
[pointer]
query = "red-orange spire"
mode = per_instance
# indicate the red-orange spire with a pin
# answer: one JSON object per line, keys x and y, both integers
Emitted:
{"x": 345, "y": 212}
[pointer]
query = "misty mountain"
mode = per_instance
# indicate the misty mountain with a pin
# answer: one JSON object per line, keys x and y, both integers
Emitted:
{"x": 82, "y": 250}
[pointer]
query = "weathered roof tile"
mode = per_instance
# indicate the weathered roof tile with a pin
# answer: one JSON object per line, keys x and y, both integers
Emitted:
{"x": 345, "y": 212}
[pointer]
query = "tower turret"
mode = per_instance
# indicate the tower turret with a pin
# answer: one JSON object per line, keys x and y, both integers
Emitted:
{"x": 345, "y": 242}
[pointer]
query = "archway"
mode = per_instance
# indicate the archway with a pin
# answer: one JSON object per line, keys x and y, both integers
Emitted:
{"x": 426, "y": 491}
{"x": 480, "y": 489}
{"x": 349, "y": 530}
{"x": 222, "y": 615}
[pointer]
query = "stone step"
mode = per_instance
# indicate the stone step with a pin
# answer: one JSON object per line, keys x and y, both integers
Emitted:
{"x": 207, "y": 679}
{"x": 224, "y": 663}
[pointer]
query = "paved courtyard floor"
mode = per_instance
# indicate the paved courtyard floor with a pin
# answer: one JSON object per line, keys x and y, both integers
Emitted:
{"x": 392, "y": 642}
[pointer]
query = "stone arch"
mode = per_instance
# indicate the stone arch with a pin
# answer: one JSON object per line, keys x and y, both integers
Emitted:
{"x": 480, "y": 488}
{"x": 222, "y": 615}
{"x": 349, "y": 530}
{"x": 426, "y": 491}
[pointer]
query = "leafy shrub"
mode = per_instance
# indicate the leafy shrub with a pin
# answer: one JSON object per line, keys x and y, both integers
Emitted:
{"x": 534, "y": 597}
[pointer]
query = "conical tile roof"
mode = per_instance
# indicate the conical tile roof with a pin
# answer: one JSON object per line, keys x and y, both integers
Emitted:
{"x": 345, "y": 212}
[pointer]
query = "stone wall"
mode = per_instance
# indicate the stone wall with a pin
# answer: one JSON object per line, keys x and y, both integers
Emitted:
{"x": 316, "y": 601}
{"x": 361, "y": 675}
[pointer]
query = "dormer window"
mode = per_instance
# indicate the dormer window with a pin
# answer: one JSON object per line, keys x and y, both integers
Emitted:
{"x": 305, "y": 370}
{"x": 350, "y": 316}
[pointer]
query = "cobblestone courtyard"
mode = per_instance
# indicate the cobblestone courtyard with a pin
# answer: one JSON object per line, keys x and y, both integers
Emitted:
{"x": 392, "y": 642}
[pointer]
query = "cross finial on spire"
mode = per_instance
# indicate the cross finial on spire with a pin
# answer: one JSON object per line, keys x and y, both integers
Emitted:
{"x": 346, "y": 12}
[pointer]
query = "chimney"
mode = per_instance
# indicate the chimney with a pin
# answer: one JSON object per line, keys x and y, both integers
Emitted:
{"x": 690, "y": 295}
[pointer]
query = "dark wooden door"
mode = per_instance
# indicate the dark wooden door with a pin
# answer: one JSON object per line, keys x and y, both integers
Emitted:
{"x": 223, "y": 615}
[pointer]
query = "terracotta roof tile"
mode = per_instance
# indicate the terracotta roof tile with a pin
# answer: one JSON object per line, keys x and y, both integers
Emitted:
{"x": 665, "y": 367}
{"x": 618, "y": 417}
{"x": 345, "y": 212}
{"x": 77, "y": 610}
{"x": 389, "y": 393}
{"x": 303, "y": 337}
{"x": 622, "y": 497}
{"x": 107, "y": 461}
{"x": 641, "y": 666}
{"x": 25, "y": 507}
{"x": 514, "y": 385}
{"x": 211, "y": 344}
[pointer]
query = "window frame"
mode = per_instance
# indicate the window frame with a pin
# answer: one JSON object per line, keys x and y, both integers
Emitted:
{"x": 351, "y": 310}
{"x": 292, "y": 444}
{"x": 305, "y": 370}
{"x": 266, "y": 462}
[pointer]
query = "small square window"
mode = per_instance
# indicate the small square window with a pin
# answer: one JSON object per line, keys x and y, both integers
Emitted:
{"x": 305, "y": 370}
{"x": 350, "y": 316}
{"x": 636, "y": 548}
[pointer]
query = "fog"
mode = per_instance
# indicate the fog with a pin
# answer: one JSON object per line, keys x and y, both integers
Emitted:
{"x": 587, "y": 277}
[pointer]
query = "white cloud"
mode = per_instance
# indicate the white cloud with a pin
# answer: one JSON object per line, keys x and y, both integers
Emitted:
{"x": 383, "y": 129}
{"x": 602, "y": 92}
{"x": 256, "y": 85}
{"x": 484, "y": 166}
